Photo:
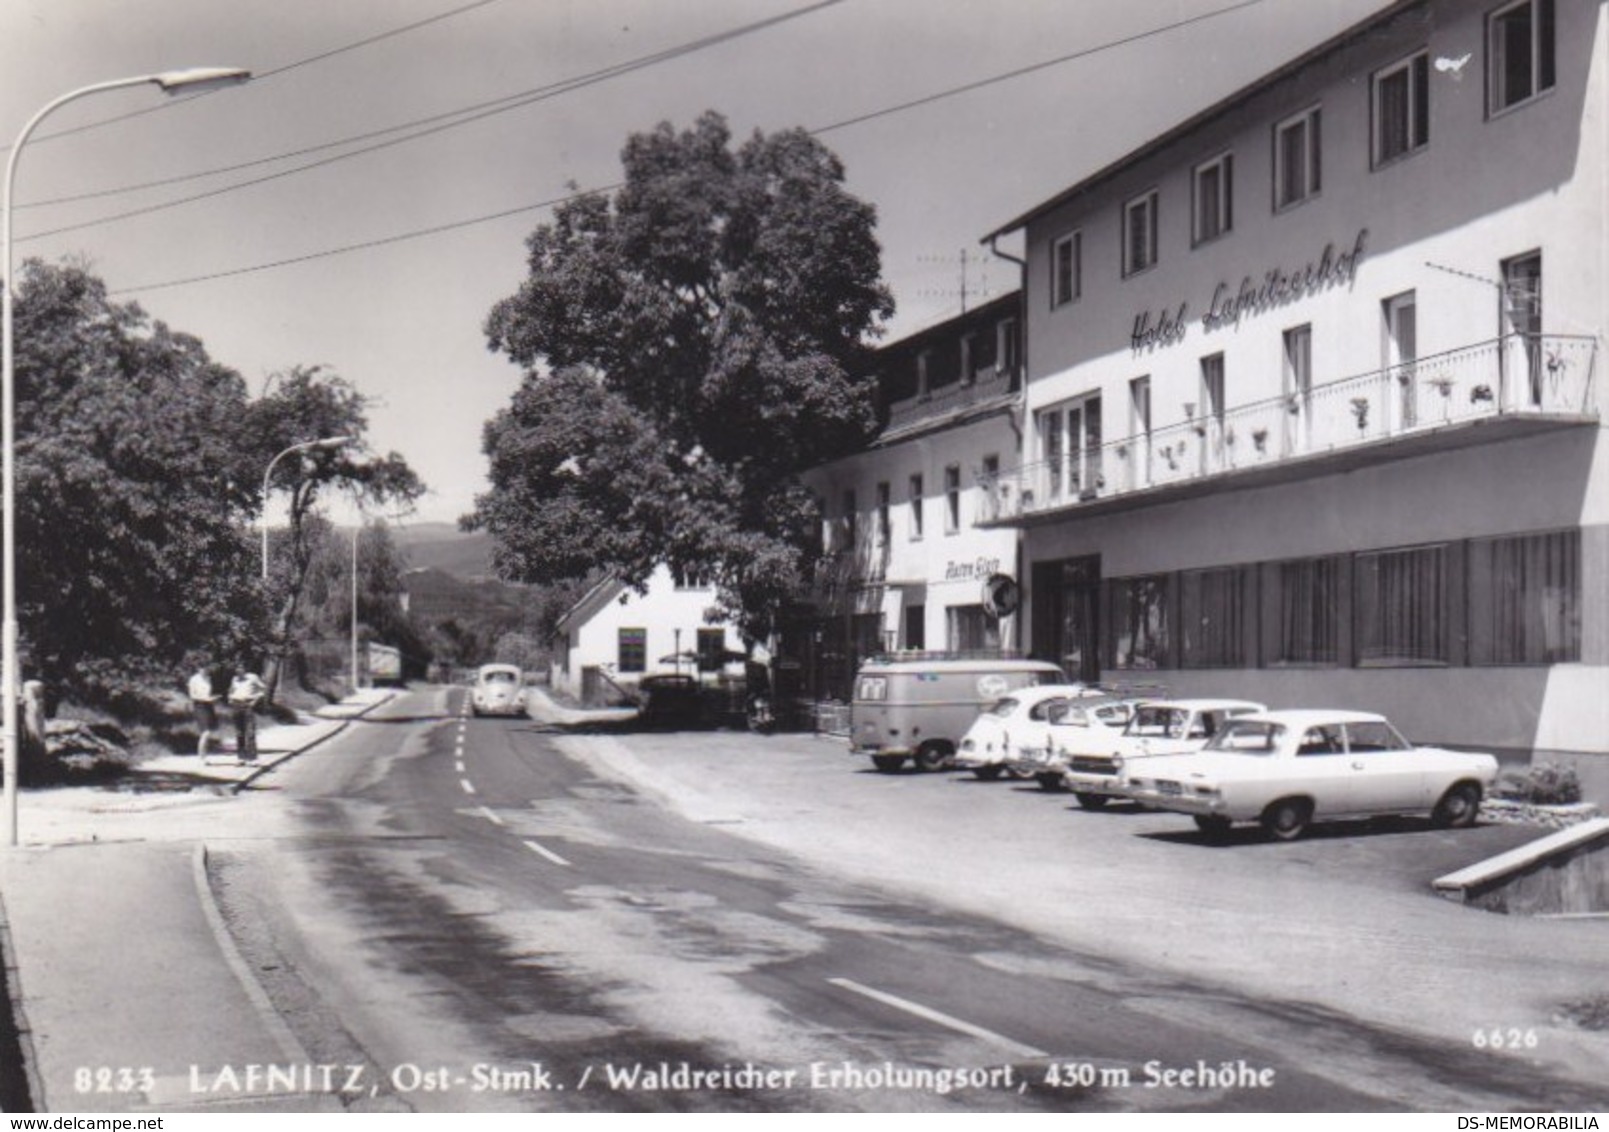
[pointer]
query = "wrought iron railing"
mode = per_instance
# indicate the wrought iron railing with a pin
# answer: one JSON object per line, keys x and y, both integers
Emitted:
{"x": 1513, "y": 376}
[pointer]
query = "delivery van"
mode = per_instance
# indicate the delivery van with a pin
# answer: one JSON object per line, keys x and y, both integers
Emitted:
{"x": 918, "y": 706}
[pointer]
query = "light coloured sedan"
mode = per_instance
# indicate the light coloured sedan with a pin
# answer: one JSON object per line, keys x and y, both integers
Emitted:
{"x": 1097, "y": 763}
{"x": 1088, "y": 722}
{"x": 1287, "y": 769}
{"x": 1013, "y": 721}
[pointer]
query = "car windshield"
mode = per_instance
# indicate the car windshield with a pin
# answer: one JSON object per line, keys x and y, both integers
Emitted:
{"x": 1003, "y": 706}
{"x": 1158, "y": 722}
{"x": 1248, "y": 737}
{"x": 499, "y": 677}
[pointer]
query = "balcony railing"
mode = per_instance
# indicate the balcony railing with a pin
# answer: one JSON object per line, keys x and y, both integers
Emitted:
{"x": 1516, "y": 376}
{"x": 988, "y": 383}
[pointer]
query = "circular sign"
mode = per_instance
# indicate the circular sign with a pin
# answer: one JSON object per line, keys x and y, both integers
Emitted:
{"x": 1001, "y": 595}
{"x": 992, "y": 686}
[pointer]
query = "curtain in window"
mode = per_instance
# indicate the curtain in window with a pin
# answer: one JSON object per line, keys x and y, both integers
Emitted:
{"x": 1525, "y": 599}
{"x": 1140, "y": 620}
{"x": 1214, "y": 618}
{"x": 1400, "y": 601}
{"x": 1308, "y": 605}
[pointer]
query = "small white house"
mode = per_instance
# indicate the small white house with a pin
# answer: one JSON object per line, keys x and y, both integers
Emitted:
{"x": 614, "y": 636}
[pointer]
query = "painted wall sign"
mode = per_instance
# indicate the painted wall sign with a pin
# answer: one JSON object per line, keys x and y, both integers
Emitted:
{"x": 965, "y": 571}
{"x": 1230, "y": 304}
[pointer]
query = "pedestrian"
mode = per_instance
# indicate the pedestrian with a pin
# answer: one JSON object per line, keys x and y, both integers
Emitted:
{"x": 204, "y": 703}
{"x": 246, "y": 691}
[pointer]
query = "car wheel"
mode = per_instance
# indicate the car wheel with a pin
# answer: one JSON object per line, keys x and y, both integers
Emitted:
{"x": 1216, "y": 828}
{"x": 1051, "y": 782}
{"x": 1458, "y": 807}
{"x": 932, "y": 756}
{"x": 988, "y": 773}
{"x": 888, "y": 764}
{"x": 1287, "y": 818}
{"x": 1093, "y": 801}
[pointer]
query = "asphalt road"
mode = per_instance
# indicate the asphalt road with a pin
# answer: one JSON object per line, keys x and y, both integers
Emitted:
{"x": 478, "y": 915}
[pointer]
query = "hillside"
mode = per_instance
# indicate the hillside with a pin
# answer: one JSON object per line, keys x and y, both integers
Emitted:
{"x": 442, "y": 546}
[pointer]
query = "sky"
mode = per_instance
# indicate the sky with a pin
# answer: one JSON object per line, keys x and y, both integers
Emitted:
{"x": 382, "y": 266}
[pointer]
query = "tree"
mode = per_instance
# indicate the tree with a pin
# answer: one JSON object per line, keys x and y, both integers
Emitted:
{"x": 306, "y": 403}
{"x": 133, "y": 545}
{"x": 704, "y": 340}
{"x": 326, "y": 611}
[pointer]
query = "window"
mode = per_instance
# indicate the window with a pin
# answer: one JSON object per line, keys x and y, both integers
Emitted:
{"x": 1139, "y": 233}
{"x": 1307, "y": 610}
{"x": 633, "y": 650}
{"x": 1519, "y": 53}
{"x": 711, "y": 649}
{"x": 952, "y": 499}
{"x": 1298, "y": 388}
{"x": 970, "y": 628}
{"x": 1212, "y": 190}
{"x": 1008, "y": 349}
{"x": 850, "y": 533}
{"x": 916, "y": 508}
{"x": 969, "y": 358}
{"x": 687, "y": 578}
{"x": 885, "y": 519}
{"x": 916, "y": 626}
{"x": 924, "y": 374}
{"x": 1401, "y": 108}
{"x": 1401, "y": 606}
{"x": 1139, "y": 622}
{"x": 1297, "y": 168}
{"x": 1215, "y": 605}
{"x": 1066, "y": 269}
{"x": 1525, "y": 599}
{"x": 989, "y": 490}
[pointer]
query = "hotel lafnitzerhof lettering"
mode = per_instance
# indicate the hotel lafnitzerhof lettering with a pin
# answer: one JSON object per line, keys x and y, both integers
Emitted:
{"x": 1229, "y": 305}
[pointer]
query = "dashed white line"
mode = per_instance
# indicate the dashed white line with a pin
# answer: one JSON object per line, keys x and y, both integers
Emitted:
{"x": 489, "y": 816}
{"x": 545, "y": 852}
{"x": 469, "y": 787}
{"x": 458, "y": 765}
{"x": 949, "y": 1021}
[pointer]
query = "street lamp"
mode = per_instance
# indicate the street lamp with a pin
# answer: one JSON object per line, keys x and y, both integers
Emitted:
{"x": 329, "y": 443}
{"x": 171, "y": 82}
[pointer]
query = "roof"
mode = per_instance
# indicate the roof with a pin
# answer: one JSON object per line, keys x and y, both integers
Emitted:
{"x": 1202, "y": 704}
{"x": 590, "y": 602}
{"x": 1189, "y": 125}
{"x": 1313, "y": 717}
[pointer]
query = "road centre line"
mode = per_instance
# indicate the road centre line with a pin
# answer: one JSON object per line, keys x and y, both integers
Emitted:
{"x": 469, "y": 787}
{"x": 548, "y": 853}
{"x": 489, "y": 816}
{"x": 949, "y": 1021}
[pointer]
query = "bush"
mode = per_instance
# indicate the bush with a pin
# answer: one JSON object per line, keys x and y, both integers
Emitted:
{"x": 1541, "y": 784}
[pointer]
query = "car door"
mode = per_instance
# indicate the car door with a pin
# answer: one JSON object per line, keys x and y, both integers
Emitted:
{"x": 1389, "y": 775}
{"x": 1322, "y": 770}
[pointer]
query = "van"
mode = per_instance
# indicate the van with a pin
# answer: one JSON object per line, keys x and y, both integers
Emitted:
{"x": 918, "y": 706}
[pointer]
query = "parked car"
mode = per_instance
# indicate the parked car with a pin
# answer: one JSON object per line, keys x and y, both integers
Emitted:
{"x": 1096, "y": 763}
{"x": 1088, "y": 723}
{"x": 670, "y": 699}
{"x": 1020, "y": 719}
{"x": 919, "y": 706}
{"x": 1287, "y": 769}
{"x": 499, "y": 690}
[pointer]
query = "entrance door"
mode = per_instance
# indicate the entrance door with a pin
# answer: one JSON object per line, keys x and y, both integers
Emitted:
{"x": 1402, "y": 334}
{"x": 1078, "y": 634}
{"x": 1522, "y": 331}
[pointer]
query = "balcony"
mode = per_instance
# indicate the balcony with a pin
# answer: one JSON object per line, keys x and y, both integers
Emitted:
{"x": 1502, "y": 389}
{"x": 949, "y": 404}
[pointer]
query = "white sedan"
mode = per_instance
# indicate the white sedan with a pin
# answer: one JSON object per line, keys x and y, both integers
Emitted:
{"x": 1097, "y": 763}
{"x": 1086, "y": 723}
{"x": 1286, "y": 769}
{"x": 1011, "y": 722}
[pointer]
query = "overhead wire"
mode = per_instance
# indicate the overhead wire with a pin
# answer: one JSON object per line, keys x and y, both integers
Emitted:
{"x": 949, "y": 92}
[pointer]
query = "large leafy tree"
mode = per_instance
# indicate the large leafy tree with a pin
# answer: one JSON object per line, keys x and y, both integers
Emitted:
{"x": 132, "y": 503}
{"x": 692, "y": 344}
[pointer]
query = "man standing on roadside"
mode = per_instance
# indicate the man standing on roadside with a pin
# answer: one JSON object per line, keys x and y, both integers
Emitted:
{"x": 246, "y": 691}
{"x": 204, "y": 702}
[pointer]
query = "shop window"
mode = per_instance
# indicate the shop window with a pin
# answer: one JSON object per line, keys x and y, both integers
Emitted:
{"x": 1066, "y": 269}
{"x": 971, "y": 629}
{"x": 1306, "y": 603}
{"x": 1297, "y": 166}
{"x": 632, "y": 655}
{"x": 1139, "y": 233}
{"x": 1402, "y": 607}
{"x": 1138, "y": 620}
{"x": 1519, "y": 53}
{"x": 1401, "y": 108}
{"x": 1214, "y": 609}
{"x": 1212, "y": 193}
{"x": 916, "y": 508}
{"x": 1525, "y": 599}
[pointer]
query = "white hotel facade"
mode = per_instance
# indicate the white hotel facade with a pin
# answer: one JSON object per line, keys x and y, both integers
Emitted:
{"x": 1314, "y": 409}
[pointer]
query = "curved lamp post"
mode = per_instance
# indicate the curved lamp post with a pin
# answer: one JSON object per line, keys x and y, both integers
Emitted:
{"x": 171, "y": 82}
{"x": 328, "y": 443}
